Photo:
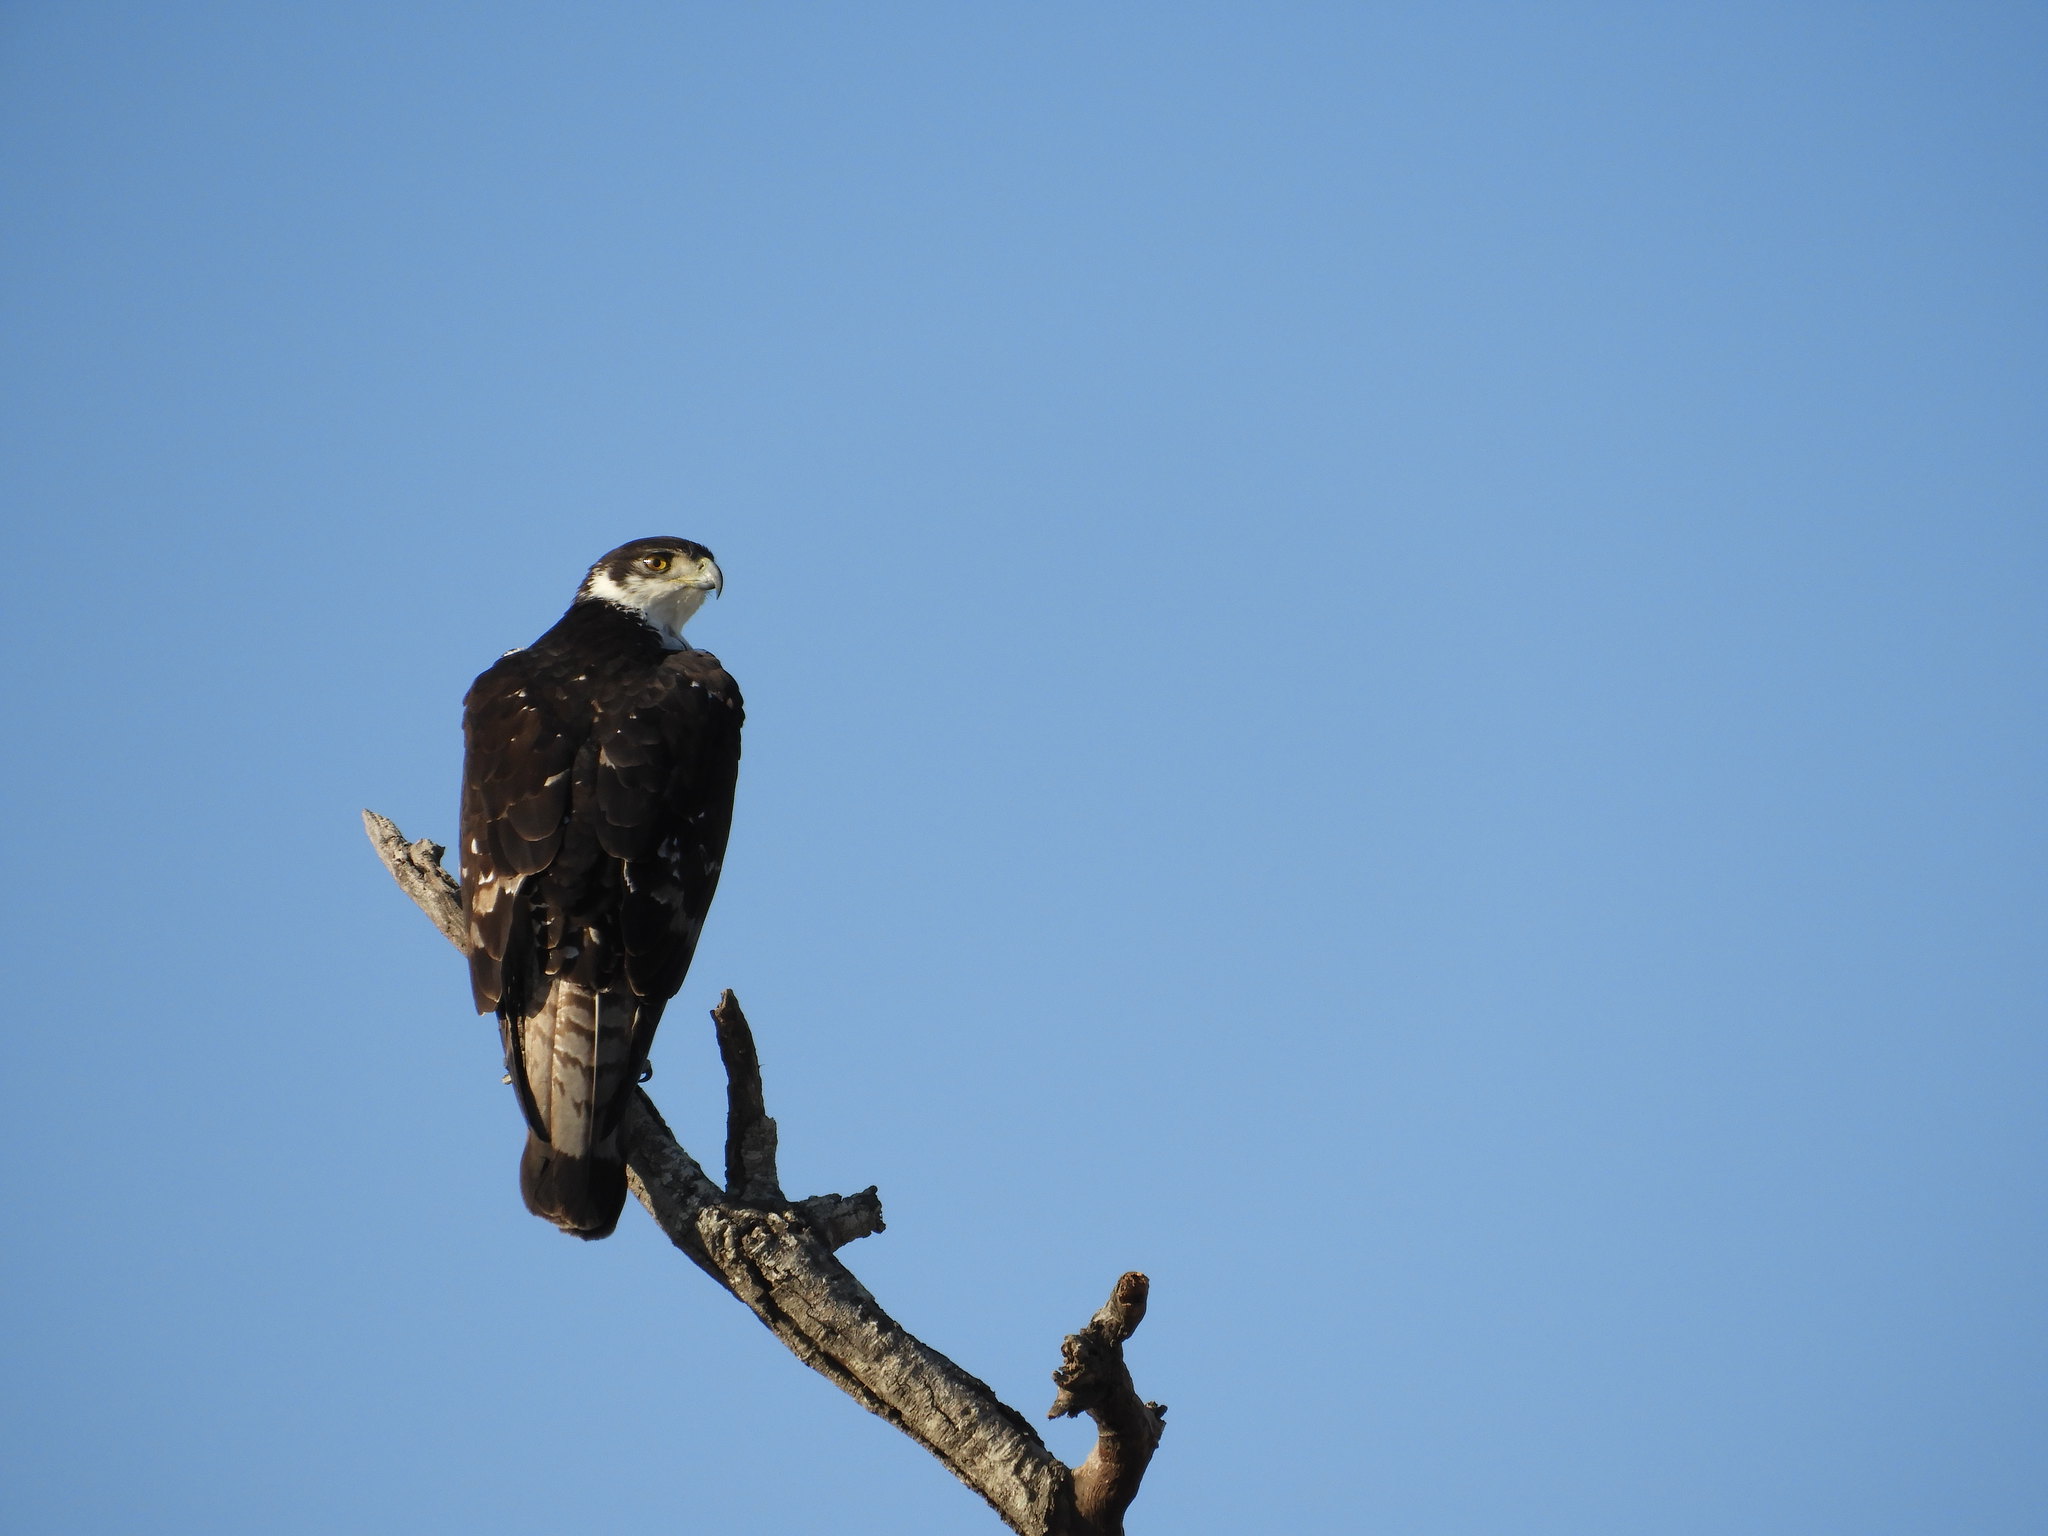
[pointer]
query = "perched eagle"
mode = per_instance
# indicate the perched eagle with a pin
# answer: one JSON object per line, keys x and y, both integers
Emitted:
{"x": 597, "y": 790}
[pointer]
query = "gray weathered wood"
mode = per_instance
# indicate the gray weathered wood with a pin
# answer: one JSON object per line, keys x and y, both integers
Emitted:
{"x": 417, "y": 869}
{"x": 777, "y": 1257}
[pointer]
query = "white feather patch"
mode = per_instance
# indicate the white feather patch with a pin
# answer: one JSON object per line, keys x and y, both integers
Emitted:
{"x": 666, "y": 605}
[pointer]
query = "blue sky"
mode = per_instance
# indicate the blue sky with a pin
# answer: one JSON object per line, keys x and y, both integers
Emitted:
{"x": 1394, "y": 661}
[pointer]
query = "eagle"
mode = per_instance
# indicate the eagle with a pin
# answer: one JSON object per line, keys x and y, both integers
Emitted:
{"x": 597, "y": 785}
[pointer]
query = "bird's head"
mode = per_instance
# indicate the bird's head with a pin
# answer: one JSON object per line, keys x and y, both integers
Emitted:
{"x": 664, "y": 581}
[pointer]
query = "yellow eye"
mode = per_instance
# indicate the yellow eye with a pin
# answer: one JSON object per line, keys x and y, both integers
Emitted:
{"x": 655, "y": 563}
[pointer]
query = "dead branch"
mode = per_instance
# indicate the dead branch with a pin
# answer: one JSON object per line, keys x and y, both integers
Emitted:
{"x": 1094, "y": 1380}
{"x": 417, "y": 869}
{"x": 777, "y": 1257}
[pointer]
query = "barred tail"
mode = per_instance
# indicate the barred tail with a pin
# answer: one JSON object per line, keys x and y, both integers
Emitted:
{"x": 575, "y": 1059}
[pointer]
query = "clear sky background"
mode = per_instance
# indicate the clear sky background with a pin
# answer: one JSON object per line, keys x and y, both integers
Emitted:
{"x": 1394, "y": 659}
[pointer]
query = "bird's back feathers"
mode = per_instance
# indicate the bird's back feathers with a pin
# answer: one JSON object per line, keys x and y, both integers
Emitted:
{"x": 597, "y": 797}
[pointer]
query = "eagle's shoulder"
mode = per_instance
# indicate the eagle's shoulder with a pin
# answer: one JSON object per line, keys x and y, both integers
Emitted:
{"x": 499, "y": 678}
{"x": 521, "y": 737}
{"x": 686, "y": 700}
{"x": 704, "y": 670}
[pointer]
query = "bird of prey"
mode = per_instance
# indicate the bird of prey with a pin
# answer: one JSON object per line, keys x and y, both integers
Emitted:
{"x": 597, "y": 786}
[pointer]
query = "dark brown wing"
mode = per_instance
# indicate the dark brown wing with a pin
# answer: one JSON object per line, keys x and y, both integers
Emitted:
{"x": 596, "y": 804}
{"x": 664, "y": 774}
{"x": 520, "y": 745}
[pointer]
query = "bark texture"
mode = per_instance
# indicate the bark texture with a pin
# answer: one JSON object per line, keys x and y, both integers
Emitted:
{"x": 777, "y": 1256}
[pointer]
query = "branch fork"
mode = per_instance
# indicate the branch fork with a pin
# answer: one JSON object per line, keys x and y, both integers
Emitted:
{"x": 777, "y": 1256}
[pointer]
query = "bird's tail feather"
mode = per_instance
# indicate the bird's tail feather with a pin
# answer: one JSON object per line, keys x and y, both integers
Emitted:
{"x": 581, "y": 1195}
{"x": 575, "y": 1056}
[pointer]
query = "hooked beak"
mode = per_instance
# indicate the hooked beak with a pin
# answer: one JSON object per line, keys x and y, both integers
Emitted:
{"x": 717, "y": 577}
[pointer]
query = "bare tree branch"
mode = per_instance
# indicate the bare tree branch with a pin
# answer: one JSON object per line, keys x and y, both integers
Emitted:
{"x": 417, "y": 869}
{"x": 749, "y": 1134}
{"x": 1094, "y": 1380}
{"x": 777, "y": 1257}
{"x": 842, "y": 1219}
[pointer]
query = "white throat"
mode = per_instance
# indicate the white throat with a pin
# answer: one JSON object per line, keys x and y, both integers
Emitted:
{"x": 666, "y": 605}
